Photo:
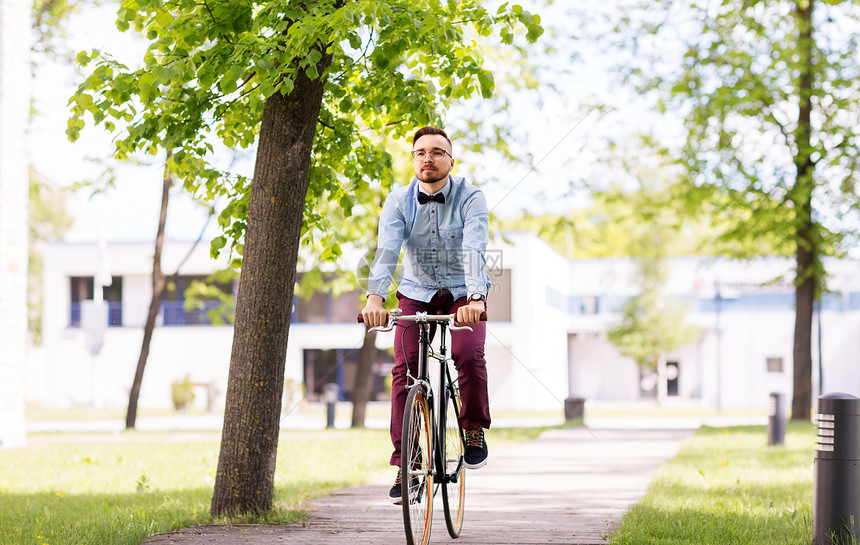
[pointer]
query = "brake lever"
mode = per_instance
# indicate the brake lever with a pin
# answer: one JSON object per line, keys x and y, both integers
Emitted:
{"x": 453, "y": 327}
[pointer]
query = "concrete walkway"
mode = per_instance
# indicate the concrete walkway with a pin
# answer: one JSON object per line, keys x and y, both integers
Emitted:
{"x": 569, "y": 486}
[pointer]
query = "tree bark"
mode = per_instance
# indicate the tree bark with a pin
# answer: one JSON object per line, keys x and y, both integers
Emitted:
{"x": 807, "y": 247}
{"x": 363, "y": 379}
{"x": 366, "y": 357}
{"x": 249, "y": 440}
{"x": 159, "y": 283}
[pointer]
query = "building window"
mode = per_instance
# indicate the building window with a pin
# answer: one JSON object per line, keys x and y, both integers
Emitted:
{"x": 313, "y": 309}
{"x": 323, "y": 307}
{"x": 588, "y": 305}
{"x": 774, "y": 365}
{"x": 339, "y": 366}
{"x": 82, "y": 290}
{"x": 178, "y": 308}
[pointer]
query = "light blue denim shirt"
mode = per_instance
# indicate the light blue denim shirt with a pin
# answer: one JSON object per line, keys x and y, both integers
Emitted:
{"x": 443, "y": 244}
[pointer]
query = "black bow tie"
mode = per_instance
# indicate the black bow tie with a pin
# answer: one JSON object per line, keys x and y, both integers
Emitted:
{"x": 424, "y": 198}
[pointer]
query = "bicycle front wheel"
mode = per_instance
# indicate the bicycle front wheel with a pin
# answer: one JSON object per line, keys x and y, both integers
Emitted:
{"x": 415, "y": 469}
{"x": 454, "y": 488}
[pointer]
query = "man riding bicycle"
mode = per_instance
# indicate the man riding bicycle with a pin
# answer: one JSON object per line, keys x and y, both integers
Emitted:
{"x": 441, "y": 223}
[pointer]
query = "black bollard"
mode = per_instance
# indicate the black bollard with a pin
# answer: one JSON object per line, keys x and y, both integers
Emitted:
{"x": 776, "y": 420}
{"x": 574, "y": 409}
{"x": 331, "y": 394}
{"x": 836, "y": 477}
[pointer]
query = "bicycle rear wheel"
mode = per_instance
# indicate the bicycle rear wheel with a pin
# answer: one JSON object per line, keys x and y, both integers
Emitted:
{"x": 415, "y": 467}
{"x": 454, "y": 492}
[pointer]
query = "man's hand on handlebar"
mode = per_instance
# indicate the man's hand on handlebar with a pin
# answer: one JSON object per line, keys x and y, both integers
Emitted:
{"x": 471, "y": 313}
{"x": 374, "y": 312}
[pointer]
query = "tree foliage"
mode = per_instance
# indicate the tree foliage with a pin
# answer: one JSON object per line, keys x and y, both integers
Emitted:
{"x": 313, "y": 85}
{"x": 767, "y": 96}
{"x": 652, "y": 324}
{"x": 49, "y": 26}
{"x": 211, "y": 66}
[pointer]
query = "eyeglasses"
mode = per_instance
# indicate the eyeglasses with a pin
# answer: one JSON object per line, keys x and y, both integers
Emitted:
{"x": 435, "y": 154}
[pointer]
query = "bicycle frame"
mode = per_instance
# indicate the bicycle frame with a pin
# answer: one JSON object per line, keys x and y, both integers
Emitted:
{"x": 425, "y": 352}
{"x": 446, "y": 386}
{"x": 430, "y": 409}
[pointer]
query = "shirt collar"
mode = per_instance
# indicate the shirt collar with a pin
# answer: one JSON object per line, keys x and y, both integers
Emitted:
{"x": 446, "y": 190}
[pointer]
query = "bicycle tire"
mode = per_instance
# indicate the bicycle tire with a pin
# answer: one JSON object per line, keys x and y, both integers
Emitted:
{"x": 416, "y": 469}
{"x": 454, "y": 493}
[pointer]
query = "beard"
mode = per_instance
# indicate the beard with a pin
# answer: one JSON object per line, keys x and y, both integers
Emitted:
{"x": 431, "y": 176}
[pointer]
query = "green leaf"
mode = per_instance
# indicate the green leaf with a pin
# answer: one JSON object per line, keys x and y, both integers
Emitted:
{"x": 267, "y": 89}
{"x": 216, "y": 245}
{"x": 487, "y": 83}
{"x": 83, "y": 59}
{"x": 286, "y": 86}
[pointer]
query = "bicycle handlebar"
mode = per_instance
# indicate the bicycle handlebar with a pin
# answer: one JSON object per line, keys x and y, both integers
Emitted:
{"x": 428, "y": 317}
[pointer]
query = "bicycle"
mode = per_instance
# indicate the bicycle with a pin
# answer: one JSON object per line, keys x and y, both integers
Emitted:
{"x": 427, "y": 461}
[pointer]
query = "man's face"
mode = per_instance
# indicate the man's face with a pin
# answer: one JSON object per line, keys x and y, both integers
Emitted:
{"x": 431, "y": 169}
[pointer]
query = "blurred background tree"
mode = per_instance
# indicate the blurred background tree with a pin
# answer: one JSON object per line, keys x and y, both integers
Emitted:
{"x": 765, "y": 96}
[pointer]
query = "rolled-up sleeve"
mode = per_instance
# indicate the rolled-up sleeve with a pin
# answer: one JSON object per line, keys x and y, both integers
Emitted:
{"x": 390, "y": 237}
{"x": 476, "y": 236}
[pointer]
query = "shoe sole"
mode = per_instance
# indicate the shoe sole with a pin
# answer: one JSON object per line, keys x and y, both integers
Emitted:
{"x": 475, "y": 466}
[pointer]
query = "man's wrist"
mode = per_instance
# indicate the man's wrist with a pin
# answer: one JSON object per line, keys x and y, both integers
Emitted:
{"x": 374, "y": 298}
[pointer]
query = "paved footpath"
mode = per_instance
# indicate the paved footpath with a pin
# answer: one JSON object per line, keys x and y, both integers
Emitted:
{"x": 569, "y": 486}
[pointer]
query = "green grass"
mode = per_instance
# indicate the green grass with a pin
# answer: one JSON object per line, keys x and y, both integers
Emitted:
{"x": 118, "y": 492}
{"x": 726, "y": 486}
{"x": 106, "y": 489}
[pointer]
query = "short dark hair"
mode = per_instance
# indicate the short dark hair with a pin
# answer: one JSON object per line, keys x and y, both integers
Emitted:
{"x": 423, "y": 131}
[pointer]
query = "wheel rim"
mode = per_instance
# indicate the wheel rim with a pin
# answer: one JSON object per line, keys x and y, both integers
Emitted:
{"x": 416, "y": 477}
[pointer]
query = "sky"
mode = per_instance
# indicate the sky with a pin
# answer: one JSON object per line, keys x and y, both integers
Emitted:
{"x": 559, "y": 130}
{"x": 128, "y": 211}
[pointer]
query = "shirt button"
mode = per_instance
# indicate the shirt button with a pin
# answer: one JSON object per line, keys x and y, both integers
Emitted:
{"x": 432, "y": 211}
{"x": 432, "y": 232}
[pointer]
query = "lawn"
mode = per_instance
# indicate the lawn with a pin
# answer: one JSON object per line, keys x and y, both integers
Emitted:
{"x": 726, "y": 486}
{"x": 108, "y": 491}
{"x": 117, "y": 489}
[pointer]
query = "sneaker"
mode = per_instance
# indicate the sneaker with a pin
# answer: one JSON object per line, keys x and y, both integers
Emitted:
{"x": 395, "y": 494}
{"x": 476, "y": 453}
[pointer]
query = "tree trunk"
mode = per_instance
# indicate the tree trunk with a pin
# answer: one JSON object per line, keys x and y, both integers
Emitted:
{"x": 159, "y": 282}
{"x": 366, "y": 357}
{"x": 249, "y": 439}
{"x": 801, "y": 403}
{"x": 363, "y": 379}
{"x": 807, "y": 247}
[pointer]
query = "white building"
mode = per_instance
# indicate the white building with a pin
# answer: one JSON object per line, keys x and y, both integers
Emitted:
{"x": 546, "y": 340}
{"x": 526, "y": 344}
{"x": 745, "y": 312}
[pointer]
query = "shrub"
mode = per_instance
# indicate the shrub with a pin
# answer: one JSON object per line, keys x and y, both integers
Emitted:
{"x": 182, "y": 392}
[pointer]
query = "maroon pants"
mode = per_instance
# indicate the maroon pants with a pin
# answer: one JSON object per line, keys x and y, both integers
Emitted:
{"x": 467, "y": 350}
